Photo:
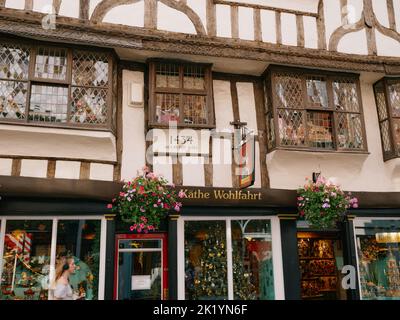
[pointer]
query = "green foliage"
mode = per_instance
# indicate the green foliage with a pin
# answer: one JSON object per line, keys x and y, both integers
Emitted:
{"x": 323, "y": 204}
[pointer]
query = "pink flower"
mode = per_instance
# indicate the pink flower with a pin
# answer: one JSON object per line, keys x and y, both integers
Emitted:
{"x": 300, "y": 198}
{"x": 150, "y": 227}
{"x": 121, "y": 194}
{"x": 166, "y": 206}
{"x": 146, "y": 231}
{"x": 177, "y": 208}
{"x": 132, "y": 228}
{"x": 182, "y": 194}
{"x": 142, "y": 210}
{"x": 355, "y": 205}
{"x": 141, "y": 225}
{"x": 109, "y": 206}
{"x": 139, "y": 230}
{"x": 113, "y": 200}
{"x": 144, "y": 219}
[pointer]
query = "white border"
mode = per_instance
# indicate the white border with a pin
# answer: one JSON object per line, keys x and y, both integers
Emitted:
{"x": 359, "y": 222}
{"x": 53, "y": 245}
{"x": 276, "y": 252}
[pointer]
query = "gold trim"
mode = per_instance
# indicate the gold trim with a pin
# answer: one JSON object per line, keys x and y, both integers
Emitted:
{"x": 351, "y": 217}
{"x": 110, "y": 217}
{"x": 174, "y": 216}
{"x": 287, "y": 216}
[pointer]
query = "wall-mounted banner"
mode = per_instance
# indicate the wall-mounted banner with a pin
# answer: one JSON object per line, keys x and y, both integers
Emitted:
{"x": 246, "y": 156}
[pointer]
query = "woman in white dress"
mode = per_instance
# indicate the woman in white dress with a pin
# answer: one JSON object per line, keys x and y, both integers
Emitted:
{"x": 63, "y": 289}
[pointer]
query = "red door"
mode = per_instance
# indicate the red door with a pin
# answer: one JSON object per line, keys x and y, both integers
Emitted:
{"x": 141, "y": 267}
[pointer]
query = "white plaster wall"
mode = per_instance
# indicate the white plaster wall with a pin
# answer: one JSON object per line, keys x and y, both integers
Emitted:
{"x": 129, "y": 15}
{"x": 303, "y": 5}
{"x": 333, "y": 20}
{"x": 199, "y": 6}
{"x": 162, "y": 165}
{"x": 34, "y": 168}
{"x": 92, "y": 6}
{"x": 247, "y": 105}
{"x": 346, "y": 44}
{"x": 356, "y": 8}
{"x": 62, "y": 143}
{"x": 5, "y": 167}
{"x": 44, "y": 6}
{"x": 310, "y": 32}
{"x": 246, "y": 23}
{"x": 387, "y": 46}
{"x": 67, "y": 170}
{"x": 104, "y": 172}
{"x": 134, "y": 144}
{"x": 268, "y": 26}
{"x": 15, "y": 4}
{"x": 223, "y": 17}
{"x": 381, "y": 12}
{"x": 173, "y": 20}
{"x": 222, "y": 162}
{"x": 193, "y": 171}
{"x": 288, "y": 169}
{"x": 396, "y": 5}
{"x": 69, "y": 8}
{"x": 223, "y": 104}
{"x": 289, "y": 29}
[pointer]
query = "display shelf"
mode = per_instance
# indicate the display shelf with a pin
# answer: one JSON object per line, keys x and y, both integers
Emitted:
{"x": 311, "y": 258}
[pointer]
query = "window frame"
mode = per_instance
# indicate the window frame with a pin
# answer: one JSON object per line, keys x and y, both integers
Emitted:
{"x": 31, "y": 79}
{"x": 385, "y": 82}
{"x": 181, "y": 91}
{"x": 330, "y": 77}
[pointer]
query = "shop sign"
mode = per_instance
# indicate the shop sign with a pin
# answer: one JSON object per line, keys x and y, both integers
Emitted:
{"x": 181, "y": 142}
{"x": 247, "y": 172}
{"x": 141, "y": 283}
{"x": 223, "y": 195}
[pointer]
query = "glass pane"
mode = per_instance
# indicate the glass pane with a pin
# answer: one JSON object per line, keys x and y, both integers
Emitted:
{"x": 387, "y": 147}
{"x": 379, "y": 259}
{"x": 396, "y": 128}
{"x": 345, "y": 95}
{"x": 26, "y": 260}
{"x": 89, "y": 105}
{"x": 193, "y": 77}
{"x": 139, "y": 276}
{"x": 288, "y": 91}
{"x": 195, "y": 109}
{"x": 90, "y": 69}
{"x": 381, "y": 102}
{"x": 48, "y": 103}
{"x": 14, "y": 62}
{"x": 51, "y": 63}
{"x": 205, "y": 260}
{"x": 349, "y": 131}
{"x": 320, "y": 130}
{"x": 316, "y": 92}
{"x": 253, "y": 276}
{"x": 167, "y": 108}
{"x": 291, "y": 128}
{"x": 80, "y": 239}
{"x": 12, "y": 99}
{"x": 167, "y": 75}
{"x": 137, "y": 244}
{"x": 394, "y": 97}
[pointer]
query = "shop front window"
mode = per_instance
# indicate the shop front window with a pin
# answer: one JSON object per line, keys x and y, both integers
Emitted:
{"x": 378, "y": 259}
{"x": 205, "y": 260}
{"x": 26, "y": 260}
{"x": 80, "y": 239}
{"x": 253, "y": 276}
{"x": 229, "y": 259}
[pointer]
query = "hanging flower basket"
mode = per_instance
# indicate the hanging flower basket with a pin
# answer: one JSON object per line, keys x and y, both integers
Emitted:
{"x": 145, "y": 201}
{"x": 323, "y": 204}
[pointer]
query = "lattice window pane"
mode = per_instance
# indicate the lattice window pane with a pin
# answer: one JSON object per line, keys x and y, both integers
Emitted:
{"x": 319, "y": 126}
{"x": 349, "y": 131}
{"x": 317, "y": 94}
{"x": 193, "y": 77}
{"x": 288, "y": 91}
{"x": 394, "y": 98}
{"x": 194, "y": 109}
{"x": 167, "y": 107}
{"x": 48, "y": 103}
{"x": 385, "y": 135}
{"x": 396, "y": 128}
{"x": 14, "y": 62}
{"x": 291, "y": 127}
{"x": 345, "y": 95}
{"x": 90, "y": 69}
{"x": 51, "y": 63}
{"x": 167, "y": 75}
{"x": 12, "y": 99}
{"x": 89, "y": 105}
{"x": 381, "y": 102}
